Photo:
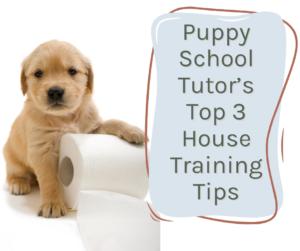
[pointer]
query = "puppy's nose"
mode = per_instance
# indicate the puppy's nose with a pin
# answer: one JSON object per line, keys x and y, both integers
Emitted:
{"x": 55, "y": 93}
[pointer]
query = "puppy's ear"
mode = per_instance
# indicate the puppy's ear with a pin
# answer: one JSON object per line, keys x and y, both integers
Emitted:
{"x": 90, "y": 74}
{"x": 23, "y": 78}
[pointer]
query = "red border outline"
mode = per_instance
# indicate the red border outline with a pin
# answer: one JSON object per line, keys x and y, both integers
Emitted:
{"x": 270, "y": 126}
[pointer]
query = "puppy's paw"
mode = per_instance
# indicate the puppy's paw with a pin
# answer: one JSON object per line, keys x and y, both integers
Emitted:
{"x": 52, "y": 210}
{"x": 133, "y": 134}
{"x": 19, "y": 186}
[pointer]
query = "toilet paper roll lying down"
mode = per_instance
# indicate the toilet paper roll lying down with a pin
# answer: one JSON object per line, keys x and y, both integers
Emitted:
{"x": 106, "y": 179}
{"x": 101, "y": 162}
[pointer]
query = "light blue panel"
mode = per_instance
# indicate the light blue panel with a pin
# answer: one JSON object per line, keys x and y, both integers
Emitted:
{"x": 173, "y": 193}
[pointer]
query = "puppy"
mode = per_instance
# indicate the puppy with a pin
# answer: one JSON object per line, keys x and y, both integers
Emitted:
{"x": 58, "y": 81}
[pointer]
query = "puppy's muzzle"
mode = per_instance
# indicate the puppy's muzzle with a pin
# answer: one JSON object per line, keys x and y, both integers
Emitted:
{"x": 55, "y": 94}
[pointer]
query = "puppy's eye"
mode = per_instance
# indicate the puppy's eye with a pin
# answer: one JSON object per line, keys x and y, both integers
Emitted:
{"x": 72, "y": 72}
{"x": 38, "y": 74}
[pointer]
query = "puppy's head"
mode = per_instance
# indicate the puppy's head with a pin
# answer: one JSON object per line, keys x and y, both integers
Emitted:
{"x": 57, "y": 78}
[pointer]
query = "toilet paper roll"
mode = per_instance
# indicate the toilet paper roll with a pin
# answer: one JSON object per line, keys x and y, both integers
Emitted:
{"x": 110, "y": 221}
{"x": 101, "y": 162}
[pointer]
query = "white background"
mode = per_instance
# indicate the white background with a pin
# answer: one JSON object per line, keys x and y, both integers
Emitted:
{"x": 116, "y": 36}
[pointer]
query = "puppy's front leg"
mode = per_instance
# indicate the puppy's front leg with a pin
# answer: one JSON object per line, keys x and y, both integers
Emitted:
{"x": 121, "y": 129}
{"x": 43, "y": 157}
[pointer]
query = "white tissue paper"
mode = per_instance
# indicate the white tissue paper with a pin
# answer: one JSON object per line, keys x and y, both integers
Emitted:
{"x": 101, "y": 162}
{"x": 106, "y": 179}
{"x": 110, "y": 221}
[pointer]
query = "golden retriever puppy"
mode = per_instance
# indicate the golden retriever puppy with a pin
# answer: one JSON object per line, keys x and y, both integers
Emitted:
{"x": 58, "y": 81}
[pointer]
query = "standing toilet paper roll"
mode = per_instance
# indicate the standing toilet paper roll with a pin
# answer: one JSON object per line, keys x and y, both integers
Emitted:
{"x": 111, "y": 221}
{"x": 101, "y": 162}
